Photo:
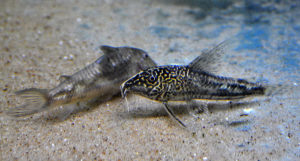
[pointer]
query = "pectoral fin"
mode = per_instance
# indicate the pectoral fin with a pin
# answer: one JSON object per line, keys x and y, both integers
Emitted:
{"x": 172, "y": 115}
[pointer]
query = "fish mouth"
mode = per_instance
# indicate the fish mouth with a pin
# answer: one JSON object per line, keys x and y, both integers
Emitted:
{"x": 129, "y": 88}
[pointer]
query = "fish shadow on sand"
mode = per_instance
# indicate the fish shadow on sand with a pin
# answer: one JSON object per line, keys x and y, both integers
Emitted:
{"x": 63, "y": 113}
{"x": 158, "y": 110}
{"x": 182, "y": 111}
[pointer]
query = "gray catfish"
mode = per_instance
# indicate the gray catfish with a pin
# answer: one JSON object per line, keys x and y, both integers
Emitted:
{"x": 99, "y": 80}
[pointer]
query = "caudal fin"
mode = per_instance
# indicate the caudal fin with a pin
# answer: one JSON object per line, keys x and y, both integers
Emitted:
{"x": 279, "y": 89}
{"x": 36, "y": 101}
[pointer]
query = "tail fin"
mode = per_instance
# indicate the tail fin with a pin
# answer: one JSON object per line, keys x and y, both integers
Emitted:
{"x": 36, "y": 101}
{"x": 279, "y": 89}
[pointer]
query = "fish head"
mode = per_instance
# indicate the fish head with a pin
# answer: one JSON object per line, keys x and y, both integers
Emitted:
{"x": 140, "y": 57}
{"x": 131, "y": 58}
{"x": 145, "y": 83}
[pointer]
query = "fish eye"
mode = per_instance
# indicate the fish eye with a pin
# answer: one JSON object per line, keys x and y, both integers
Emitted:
{"x": 151, "y": 78}
{"x": 146, "y": 55}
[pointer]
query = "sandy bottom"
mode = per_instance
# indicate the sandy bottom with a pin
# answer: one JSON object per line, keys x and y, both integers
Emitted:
{"x": 41, "y": 40}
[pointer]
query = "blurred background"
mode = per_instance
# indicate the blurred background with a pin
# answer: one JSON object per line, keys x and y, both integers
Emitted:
{"x": 41, "y": 40}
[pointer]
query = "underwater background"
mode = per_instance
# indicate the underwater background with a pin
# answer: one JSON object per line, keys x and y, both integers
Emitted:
{"x": 41, "y": 40}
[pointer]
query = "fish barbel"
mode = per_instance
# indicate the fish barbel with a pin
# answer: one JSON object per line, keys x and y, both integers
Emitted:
{"x": 189, "y": 82}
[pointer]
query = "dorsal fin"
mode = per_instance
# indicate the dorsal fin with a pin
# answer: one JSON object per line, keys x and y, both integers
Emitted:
{"x": 114, "y": 57}
{"x": 63, "y": 78}
{"x": 208, "y": 61}
{"x": 112, "y": 54}
{"x": 115, "y": 54}
{"x": 107, "y": 50}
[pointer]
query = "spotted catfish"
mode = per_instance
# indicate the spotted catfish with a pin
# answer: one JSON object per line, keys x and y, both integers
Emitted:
{"x": 99, "y": 80}
{"x": 189, "y": 82}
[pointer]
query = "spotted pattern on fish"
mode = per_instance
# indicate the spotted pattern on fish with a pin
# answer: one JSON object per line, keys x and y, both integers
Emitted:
{"x": 180, "y": 83}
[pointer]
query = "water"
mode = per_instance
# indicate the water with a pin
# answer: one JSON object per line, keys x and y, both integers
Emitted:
{"x": 173, "y": 32}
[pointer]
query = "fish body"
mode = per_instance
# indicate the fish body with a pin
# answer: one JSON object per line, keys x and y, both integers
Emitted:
{"x": 189, "y": 82}
{"x": 99, "y": 80}
{"x": 183, "y": 83}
